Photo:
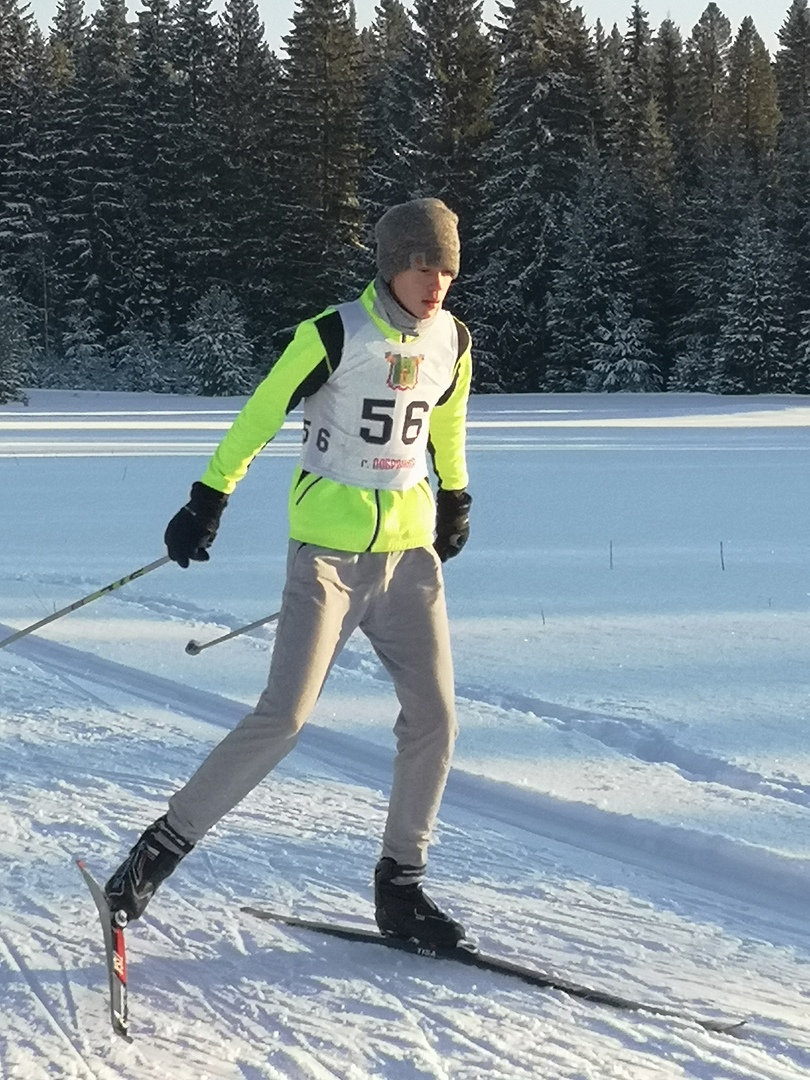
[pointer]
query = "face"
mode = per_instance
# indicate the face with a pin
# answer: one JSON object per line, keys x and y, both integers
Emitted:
{"x": 421, "y": 290}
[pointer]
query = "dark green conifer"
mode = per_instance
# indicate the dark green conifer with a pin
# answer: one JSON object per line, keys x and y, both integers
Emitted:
{"x": 706, "y": 98}
{"x": 752, "y": 108}
{"x": 598, "y": 270}
{"x": 544, "y": 102}
{"x": 752, "y": 355}
{"x": 250, "y": 191}
{"x": 394, "y": 114}
{"x": 793, "y": 62}
{"x": 16, "y": 351}
{"x": 320, "y": 164}
{"x": 218, "y": 353}
{"x": 460, "y": 65}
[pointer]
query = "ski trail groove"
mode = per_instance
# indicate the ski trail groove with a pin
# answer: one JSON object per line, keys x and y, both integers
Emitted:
{"x": 722, "y": 865}
{"x": 635, "y": 738}
{"x": 644, "y": 741}
{"x": 17, "y": 962}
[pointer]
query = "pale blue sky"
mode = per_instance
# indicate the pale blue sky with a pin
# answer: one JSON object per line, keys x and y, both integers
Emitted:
{"x": 277, "y": 13}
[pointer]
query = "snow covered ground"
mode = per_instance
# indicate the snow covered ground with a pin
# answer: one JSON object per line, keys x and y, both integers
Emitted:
{"x": 630, "y": 805}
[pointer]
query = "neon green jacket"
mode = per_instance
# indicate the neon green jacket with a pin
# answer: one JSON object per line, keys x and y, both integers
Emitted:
{"x": 323, "y": 511}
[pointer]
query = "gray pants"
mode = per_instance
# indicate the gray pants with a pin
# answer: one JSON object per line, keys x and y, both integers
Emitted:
{"x": 397, "y": 600}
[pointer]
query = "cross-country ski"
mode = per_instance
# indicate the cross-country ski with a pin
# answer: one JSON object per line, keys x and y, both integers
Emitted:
{"x": 471, "y": 957}
{"x": 115, "y": 956}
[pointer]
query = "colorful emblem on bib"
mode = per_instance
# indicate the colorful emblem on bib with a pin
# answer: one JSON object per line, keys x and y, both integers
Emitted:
{"x": 403, "y": 371}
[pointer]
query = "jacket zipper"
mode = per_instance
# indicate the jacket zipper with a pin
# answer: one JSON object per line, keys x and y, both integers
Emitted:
{"x": 379, "y": 515}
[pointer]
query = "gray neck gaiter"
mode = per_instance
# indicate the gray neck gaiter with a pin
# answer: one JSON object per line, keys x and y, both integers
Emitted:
{"x": 389, "y": 310}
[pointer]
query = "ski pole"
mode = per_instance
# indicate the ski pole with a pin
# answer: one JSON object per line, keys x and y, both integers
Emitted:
{"x": 85, "y": 600}
{"x": 194, "y": 648}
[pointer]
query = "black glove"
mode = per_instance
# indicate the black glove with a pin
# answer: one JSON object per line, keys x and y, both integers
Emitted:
{"x": 452, "y": 522}
{"x": 193, "y": 528}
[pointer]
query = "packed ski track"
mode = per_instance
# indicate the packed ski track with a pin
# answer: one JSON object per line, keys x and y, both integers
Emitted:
{"x": 629, "y": 806}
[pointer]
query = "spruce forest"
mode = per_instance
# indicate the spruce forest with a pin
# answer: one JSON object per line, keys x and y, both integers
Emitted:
{"x": 175, "y": 196}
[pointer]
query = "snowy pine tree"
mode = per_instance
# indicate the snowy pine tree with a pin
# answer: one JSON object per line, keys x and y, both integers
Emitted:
{"x": 63, "y": 157}
{"x": 394, "y": 114}
{"x": 753, "y": 350}
{"x": 544, "y": 97}
{"x": 95, "y": 258}
{"x": 706, "y": 87}
{"x": 647, "y": 153}
{"x": 622, "y": 359}
{"x": 800, "y": 378}
{"x": 17, "y": 121}
{"x": 668, "y": 73}
{"x": 637, "y": 101}
{"x": 16, "y": 353}
{"x": 32, "y": 247}
{"x": 793, "y": 167}
{"x": 609, "y": 72}
{"x": 140, "y": 361}
{"x": 693, "y": 369}
{"x": 793, "y": 62}
{"x": 597, "y": 266}
{"x": 752, "y": 109}
{"x": 792, "y": 204}
{"x": 153, "y": 118}
{"x": 83, "y": 363}
{"x": 320, "y": 158}
{"x": 218, "y": 354}
{"x": 460, "y": 65}
{"x": 708, "y": 219}
{"x": 248, "y": 117}
{"x": 196, "y": 155}
{"x": 67, "y": 40}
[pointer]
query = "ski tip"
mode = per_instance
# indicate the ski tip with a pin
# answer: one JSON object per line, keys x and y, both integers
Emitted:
{"x": 717, "y": 1026}
{"x": 727, "y": 1027}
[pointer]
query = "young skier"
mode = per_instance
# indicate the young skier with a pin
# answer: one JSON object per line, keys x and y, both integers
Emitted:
{"x": 384, "y": 380}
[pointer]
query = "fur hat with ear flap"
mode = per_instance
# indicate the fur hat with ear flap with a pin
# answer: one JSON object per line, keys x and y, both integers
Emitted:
{"x": 422, "y": 232}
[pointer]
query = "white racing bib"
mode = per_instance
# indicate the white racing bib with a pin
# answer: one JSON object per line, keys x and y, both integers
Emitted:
{"x": 368, "y": 424}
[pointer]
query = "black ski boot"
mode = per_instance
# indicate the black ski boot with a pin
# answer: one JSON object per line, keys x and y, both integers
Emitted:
{"x": 151, "y": 860}
{"x": 404, "y": 910}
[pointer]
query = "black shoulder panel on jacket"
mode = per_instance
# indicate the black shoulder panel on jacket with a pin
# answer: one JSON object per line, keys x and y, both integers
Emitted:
{"x": 463, "y": 337}
{"x": 330, "y": 328}
{"x": 463, "y": 345}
